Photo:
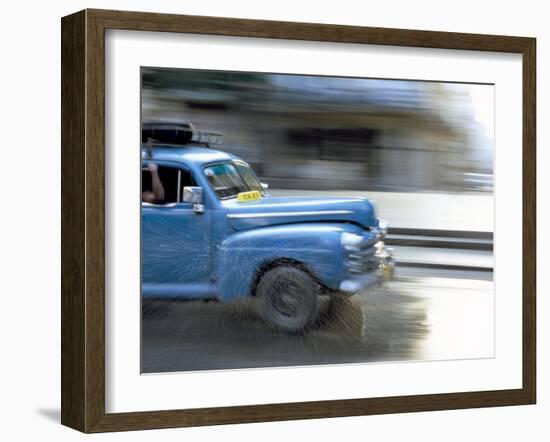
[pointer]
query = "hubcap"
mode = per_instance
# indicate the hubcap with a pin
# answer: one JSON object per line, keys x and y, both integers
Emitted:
{"x": 286, "y": 301}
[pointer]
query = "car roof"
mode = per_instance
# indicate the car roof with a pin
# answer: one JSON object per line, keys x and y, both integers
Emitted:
{"x": 194, "y": 155}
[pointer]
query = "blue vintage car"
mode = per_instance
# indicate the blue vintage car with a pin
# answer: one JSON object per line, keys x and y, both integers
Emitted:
{"x": 215, "y": 233}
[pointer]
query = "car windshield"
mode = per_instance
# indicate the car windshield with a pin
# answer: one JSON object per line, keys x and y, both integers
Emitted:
{"x": 230, "y": 179}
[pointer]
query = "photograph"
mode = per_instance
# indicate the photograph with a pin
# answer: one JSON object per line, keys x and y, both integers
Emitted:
{"x": 303, "y": 220}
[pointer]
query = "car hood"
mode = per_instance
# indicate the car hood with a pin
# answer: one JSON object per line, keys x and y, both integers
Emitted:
{"x": 285, "y": 210}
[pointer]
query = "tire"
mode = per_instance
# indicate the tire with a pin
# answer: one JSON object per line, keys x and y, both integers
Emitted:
{"x": 287, "y": 299}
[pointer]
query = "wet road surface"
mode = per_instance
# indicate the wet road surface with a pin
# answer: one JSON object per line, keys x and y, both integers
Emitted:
{"x": 421, "y": 315}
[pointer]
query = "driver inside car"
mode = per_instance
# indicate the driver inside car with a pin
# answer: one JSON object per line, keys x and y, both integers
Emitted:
{"x": 154, "y": 193}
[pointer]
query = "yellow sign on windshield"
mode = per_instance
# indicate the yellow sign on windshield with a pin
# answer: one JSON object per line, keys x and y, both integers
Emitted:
{"x": 245, "y": 197}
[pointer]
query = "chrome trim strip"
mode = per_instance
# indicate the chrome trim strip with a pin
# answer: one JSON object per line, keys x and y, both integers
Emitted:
{"x": 283, "y": 214}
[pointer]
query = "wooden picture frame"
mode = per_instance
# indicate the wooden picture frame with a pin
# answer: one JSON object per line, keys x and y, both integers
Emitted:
{"x": 83, "y": 220}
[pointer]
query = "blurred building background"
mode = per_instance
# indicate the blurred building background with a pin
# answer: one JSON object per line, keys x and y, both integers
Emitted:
{"x": 314, "y": 132}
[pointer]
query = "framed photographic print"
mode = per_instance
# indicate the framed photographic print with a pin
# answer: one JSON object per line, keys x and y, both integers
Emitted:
{"x": 270, "y": 220}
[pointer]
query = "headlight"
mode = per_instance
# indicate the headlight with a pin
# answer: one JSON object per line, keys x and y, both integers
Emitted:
{"x": 383, "y": 225}
{"x": 350, "y": 240}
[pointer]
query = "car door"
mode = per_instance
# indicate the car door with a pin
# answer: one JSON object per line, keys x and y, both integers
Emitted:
{"x": 175, "y": 242}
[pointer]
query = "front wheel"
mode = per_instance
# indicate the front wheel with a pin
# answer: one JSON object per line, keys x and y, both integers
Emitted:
{"x": 287, "y": 298}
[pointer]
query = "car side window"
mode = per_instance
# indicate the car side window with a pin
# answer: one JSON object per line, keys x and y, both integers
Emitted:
{"x": 164, "y": 184}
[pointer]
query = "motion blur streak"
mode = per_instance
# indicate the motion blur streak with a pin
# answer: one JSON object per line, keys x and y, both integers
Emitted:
{"x": 413, "y": 318}
{"x": 313, "y": 132}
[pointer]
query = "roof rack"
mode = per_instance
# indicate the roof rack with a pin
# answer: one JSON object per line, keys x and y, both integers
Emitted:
{"x": 177, "y": 134}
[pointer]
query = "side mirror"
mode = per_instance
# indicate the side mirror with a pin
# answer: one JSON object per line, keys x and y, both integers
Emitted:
{"x": 193, "y": 195}
{"x": 265, "y": 186}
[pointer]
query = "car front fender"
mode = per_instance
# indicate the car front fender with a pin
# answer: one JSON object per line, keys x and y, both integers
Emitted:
{"x": 315, "y": 246}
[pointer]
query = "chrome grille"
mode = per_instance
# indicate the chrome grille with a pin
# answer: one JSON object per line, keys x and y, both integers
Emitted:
{"x": 364, "y": 258}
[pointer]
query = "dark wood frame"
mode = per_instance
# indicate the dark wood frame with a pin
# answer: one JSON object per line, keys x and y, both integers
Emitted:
{"x": 83, "y": 216}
